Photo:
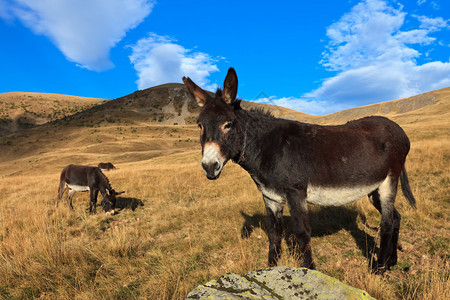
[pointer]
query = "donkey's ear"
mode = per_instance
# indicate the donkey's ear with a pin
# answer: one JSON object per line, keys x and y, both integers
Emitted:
{"x": 199, "y": 95}
{"x": 230, "y": 86}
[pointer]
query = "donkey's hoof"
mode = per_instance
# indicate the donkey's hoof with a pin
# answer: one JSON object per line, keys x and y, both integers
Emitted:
{"x": 379, "y": 269}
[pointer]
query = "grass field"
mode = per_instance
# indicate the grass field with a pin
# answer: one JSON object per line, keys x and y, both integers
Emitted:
{"x": 176, "y": 230}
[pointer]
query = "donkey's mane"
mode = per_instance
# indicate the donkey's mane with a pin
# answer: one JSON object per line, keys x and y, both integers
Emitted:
{"x": 107, "y": 181}
{"x": 262, "y": 111}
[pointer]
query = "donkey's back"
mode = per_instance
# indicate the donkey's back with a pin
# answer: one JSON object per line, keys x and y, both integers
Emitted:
{"x": 78, "y": 178}
{"x": 350, "y": 161}
{"x": 367, "y": 148}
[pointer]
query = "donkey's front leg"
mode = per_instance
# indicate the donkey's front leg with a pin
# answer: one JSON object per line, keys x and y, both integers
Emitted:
{"x": 274, "y": 211}
{"x": 93, "y": 201}
{"x": 302, "y": 230}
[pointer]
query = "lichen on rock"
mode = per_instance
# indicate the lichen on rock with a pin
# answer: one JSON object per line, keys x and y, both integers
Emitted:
{"x": 277, "y": 283}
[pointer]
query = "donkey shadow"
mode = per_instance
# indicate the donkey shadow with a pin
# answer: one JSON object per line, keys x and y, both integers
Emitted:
{"x": 128, "y": 203}
{"x": 324, "y": 221}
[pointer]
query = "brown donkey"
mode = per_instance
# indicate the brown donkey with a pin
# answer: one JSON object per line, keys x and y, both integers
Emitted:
{"x": 86, "y": 178}
{"x": 301, "y": 163}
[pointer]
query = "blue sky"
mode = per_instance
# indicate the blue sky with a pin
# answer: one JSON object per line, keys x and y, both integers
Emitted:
{"x": 313, "y": 56}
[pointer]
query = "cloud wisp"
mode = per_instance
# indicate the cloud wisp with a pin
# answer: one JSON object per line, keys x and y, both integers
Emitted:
{"x": 83, "y": 30}
{"x": 374, "y": 59}
{"x": 159, "y": 59}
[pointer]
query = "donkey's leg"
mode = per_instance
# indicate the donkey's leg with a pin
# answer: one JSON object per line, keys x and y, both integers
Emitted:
{"x": 93, "y": 201}
{"x": 70, "y": 194}
{"x": 302, "y": 229}
{"x": 392, "y": 261}
{"x": 61, "y": 190}
{"x": 374, "y": 198}
{"x": 274, "y": 229}
{"x": 383, "y": 199}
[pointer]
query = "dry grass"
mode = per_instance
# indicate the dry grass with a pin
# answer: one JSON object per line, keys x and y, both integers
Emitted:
{"x": 19, "y": 110}
{"x": 175, "y": 229}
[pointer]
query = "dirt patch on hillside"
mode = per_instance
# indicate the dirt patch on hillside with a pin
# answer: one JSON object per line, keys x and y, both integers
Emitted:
{"x": 177, "y": 118}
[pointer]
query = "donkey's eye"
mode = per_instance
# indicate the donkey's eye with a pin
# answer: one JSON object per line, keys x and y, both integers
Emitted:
{"x": 227, "y": 126}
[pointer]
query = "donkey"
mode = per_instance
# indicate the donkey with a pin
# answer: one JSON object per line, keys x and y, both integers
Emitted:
{"x": 106, "y": 166}
{"x": 85, "y": 178}
{"x": 301, "y": 163}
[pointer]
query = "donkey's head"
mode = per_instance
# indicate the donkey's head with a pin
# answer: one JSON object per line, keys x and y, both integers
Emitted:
{"x": 219, "y": 135}
{"x": 109, "y": 201}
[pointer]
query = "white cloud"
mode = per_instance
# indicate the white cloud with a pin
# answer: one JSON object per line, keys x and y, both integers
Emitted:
{"x": 84, "y": 30}
{"x": 432, "y": 24}
{"x": 374, "y": 58}
{"x": 159, "y": 59}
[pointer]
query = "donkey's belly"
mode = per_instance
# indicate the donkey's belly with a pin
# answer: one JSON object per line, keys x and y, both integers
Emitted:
{"x": 335, "y": 196}
{"x": 78, "y": 188}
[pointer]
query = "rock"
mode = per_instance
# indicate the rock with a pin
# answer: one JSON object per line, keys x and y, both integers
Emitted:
{"x": 277, "y": 283}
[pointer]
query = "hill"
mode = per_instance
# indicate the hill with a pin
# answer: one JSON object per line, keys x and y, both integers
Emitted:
{"x": 434, "y": 104}
{"x": 20, "y": 111}
{"x": 175, "y": 229}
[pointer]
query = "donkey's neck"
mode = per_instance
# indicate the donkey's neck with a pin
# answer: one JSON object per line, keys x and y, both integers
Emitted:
{"x": 255, "y": 127}
{"x": 103, "y": 183}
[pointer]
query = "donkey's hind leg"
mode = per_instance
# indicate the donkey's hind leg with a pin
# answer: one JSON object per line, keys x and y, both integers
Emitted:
{"x": 392, "y": 261}
{"x": 275, "y": 229}
{"x": 69, "y": 198}
{"x": 383, "y": 199}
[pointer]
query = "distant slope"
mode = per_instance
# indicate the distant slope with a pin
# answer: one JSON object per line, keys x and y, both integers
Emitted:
{"x": 432, "y": 103}
{"x": 170, "y": 104}
{"x": 21, "y": 110}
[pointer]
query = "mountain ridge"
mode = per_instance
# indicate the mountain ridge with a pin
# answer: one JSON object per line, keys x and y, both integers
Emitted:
{"x": 169, "y": 104}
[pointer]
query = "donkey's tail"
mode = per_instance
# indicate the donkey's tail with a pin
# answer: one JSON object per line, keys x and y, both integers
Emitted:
{"x": 61, "y": 189}
{"x": 406, "y": 189}
{"x": 62, "y": 184}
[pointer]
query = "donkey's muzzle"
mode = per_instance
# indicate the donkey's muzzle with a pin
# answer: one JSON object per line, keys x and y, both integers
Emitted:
{"x": 212, "y": 161}
{"x": 212, "y": 170}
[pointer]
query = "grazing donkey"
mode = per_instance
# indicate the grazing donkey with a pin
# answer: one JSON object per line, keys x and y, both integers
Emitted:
{"x": 106, "y": 166}
{"x": 86, "y": 178}
{"x": 302, "y": 163}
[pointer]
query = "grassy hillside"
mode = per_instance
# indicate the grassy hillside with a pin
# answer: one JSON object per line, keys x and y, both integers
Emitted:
{"x": 19, "y": 111}
{"x": 433, "y": 104}
{"x": 175, "y": 229}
